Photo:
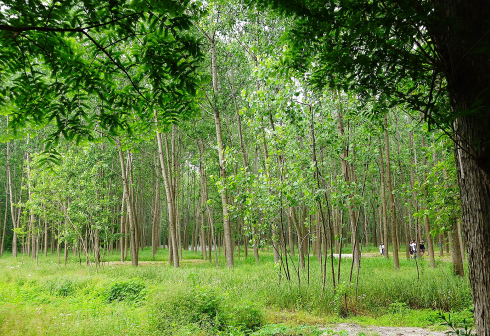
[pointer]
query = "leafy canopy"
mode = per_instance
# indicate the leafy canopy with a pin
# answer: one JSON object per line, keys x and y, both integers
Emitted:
{"x": 379, "y": 49}
{"x": 90, "y": 65}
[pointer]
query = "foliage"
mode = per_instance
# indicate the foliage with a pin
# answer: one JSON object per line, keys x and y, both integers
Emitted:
{"x": 89, "y": 64}
{"x": 61, "y": 287}
{"x": 216, "y": 300}
{"x": 285, "y": 330}
{"x": 457, "y": 328}
{"x": 132, "y": 291}
{"x": 204, "y": 308}
{"x": 73, "y": 196}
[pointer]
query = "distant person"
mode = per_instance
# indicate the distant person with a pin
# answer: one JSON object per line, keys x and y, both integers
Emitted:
{"x": 382, "y": 249}
{"x": 422, "y": 248}
{"x": 413, "y": 248}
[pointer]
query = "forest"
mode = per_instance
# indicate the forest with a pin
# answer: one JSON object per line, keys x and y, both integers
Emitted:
{"x": 244, "y": 167}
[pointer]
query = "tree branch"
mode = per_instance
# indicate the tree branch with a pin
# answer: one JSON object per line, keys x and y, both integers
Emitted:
{"x": 47, "y": 29}
{"x": 115, "y": 62}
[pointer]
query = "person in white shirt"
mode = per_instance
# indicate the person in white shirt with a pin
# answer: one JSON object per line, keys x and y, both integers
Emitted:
{"x": 413, "y": 248}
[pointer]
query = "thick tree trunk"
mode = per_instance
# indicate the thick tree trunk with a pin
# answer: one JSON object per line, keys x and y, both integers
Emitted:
{"x": 474, "y": 183}
{"x": 461, "y": 240}
{"x": 461, "y": 36}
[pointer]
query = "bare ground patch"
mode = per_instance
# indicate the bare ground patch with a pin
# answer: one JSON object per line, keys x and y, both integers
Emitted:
{"x": 153, "y": 263}
{"x": 353, "y": 329}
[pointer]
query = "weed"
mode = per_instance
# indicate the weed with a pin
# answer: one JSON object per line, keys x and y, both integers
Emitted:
{"x": 462, "y": 328}
{"x": 60, "y": 287}
{"x": 285, "y": 330}
{"x": 200, "y": 299}
{"x": 398, "y": 308}
{"x": 205, "y": 309}
{"x": 130, "y": 291}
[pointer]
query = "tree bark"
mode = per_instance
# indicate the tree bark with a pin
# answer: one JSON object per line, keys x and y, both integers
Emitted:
{"x": 461, "y": 36}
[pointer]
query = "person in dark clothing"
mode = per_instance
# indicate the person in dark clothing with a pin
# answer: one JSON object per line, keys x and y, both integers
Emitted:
{"x": 422, "y": 248}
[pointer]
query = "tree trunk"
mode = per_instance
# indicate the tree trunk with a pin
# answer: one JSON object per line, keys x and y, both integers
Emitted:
{"x": 290, "y": 236}
{"x": 4, "y": 231}
{"x": 428, "y": 237}
{"x": 205, "y": 195}
{"x": 221, "y": 155}
{"x": 267, "y": 161}
{"x": 456, "y": 251}
{"x": 168, "y": 179}
{"x": 474, "y": 182}
{"x": 45, "y": 238}
{"x": 130, "y": 208}
{"x": 347, "y": 173}
{"x": 155, "y": 239}
{"x": 299, "y": 220}
{"x": 463, "y": 50}
{"x": 12, "y": 208}
{"x": 391, "y": 199}
{"x": 383, "y": 202}
{"x": 122, "y": 240}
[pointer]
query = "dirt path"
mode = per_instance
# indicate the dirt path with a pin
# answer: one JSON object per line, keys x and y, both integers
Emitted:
{"x": 153, "y": 263}
{"x": 353, "y": 329}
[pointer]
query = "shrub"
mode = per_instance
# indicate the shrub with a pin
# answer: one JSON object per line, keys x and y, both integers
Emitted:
{"x": 130, "y": 291}
{"x": 204, "y": 308}
{"x": 246, "y": 317}
{"x": 285, "y": 330}
{"x": 60, "y": 287}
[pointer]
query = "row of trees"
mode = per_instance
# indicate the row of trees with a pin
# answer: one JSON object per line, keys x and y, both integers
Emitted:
{"x": 288, "y": 164}
{"x": 328, "y": 169}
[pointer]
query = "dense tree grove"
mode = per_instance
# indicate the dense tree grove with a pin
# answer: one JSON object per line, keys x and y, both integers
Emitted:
{"x": 233, "y": 128}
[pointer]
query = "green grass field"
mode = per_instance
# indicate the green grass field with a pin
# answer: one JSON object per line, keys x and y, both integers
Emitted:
{"x": 44, "y": 298}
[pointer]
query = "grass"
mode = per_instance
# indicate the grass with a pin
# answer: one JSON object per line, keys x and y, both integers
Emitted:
{"x": 45, "y": 298}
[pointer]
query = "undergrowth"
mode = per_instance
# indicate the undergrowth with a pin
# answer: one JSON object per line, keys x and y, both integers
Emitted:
{"x": 199, "y": 299}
